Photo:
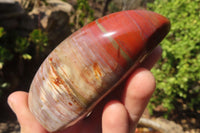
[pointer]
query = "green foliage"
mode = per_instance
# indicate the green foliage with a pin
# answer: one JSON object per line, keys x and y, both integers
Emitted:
{"x": 13, "y": 46}
{"x": 5, "y": 54}
{"x": 39, "y": 38}
{"x": 178, "y": 71}
{"x": 113, "y": 7}
{"x": 83, "y": 14}
{"x": 21, "y": 45}
{"x": 1, "y": 31}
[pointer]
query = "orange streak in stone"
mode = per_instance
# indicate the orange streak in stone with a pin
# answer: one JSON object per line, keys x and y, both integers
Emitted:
{"x": 97, "y": 70}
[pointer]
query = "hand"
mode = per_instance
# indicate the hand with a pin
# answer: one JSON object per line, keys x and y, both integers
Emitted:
{"x": 119, "y": 112}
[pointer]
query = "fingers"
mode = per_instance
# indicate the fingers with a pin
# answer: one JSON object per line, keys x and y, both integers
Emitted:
{"x": 123, "y": 117}
{"x": 138, "y": 91}
{"x": 18, "y": 101}
{"x": 115, "y": 118}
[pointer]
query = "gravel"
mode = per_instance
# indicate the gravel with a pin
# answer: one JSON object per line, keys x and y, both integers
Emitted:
{"x": 9, "y": 127}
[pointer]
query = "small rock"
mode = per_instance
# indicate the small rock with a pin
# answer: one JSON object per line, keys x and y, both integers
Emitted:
{"x": 10, "y": 9}
{"x": 54, "y": 18}
{"x": 183, "y": 121}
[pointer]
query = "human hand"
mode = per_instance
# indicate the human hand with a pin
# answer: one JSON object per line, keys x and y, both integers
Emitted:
{"x": 119, "y": 112}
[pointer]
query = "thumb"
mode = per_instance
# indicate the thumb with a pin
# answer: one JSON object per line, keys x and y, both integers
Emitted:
{"x": 18, "y": 102}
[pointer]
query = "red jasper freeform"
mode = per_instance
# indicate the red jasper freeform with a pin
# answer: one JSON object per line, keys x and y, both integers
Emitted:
{"x": 87, "y": 65}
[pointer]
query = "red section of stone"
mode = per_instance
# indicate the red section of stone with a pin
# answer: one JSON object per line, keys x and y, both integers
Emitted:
{"x": 127, "y": 31}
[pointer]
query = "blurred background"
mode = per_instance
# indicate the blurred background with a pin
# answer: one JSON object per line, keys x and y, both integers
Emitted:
{"x": 30, "y": 29}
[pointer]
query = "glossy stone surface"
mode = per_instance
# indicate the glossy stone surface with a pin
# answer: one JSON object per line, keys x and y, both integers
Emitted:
{"x": 90, "y": 63}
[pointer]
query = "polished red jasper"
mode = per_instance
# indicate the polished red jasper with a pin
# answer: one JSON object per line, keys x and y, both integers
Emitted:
{"x": 87, "y": 65}
{"x": 125, "y": 35}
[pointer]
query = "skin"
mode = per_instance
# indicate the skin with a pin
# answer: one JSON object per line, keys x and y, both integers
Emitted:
{"x": 119, "y": 112}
